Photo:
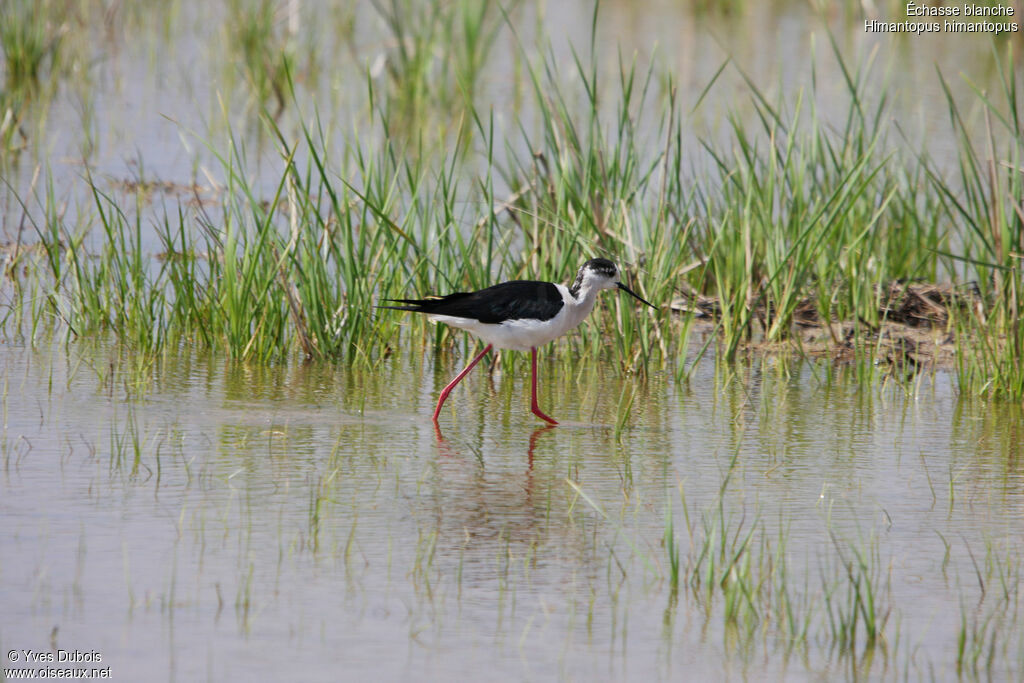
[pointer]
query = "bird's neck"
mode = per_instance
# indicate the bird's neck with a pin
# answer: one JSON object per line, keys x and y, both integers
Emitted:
{"x": 584, "y": 296}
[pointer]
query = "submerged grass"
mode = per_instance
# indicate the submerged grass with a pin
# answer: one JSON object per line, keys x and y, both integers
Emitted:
{"x": 787, "y": 217}
{"x": 738, "y": 571}
{"x": 30, "y": 41}
{"x": 431, "y": 73}
{"x": 261, "y": 51}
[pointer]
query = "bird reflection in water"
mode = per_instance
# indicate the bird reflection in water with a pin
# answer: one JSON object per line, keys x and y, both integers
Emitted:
{"x": 444, "y": 446}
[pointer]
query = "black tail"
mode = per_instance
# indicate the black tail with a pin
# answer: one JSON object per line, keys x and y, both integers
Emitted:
{"x": 414, "y": 305}
{"x": 429, "y": 305}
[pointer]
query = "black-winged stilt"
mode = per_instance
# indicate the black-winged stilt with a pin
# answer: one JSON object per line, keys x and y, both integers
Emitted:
{"x": 519, "y": 315}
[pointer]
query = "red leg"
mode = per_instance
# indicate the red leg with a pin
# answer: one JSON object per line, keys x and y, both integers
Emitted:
{"x": 458, "y": 378}
{"x": 533, "y": 390}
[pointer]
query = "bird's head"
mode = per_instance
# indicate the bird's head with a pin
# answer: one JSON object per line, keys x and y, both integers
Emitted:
{"x": 600, "y": 273}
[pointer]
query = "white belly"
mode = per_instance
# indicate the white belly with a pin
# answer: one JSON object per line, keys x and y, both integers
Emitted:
{"x": 519, "y": 335}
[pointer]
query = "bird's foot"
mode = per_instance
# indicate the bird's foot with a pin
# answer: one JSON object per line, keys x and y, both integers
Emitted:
{"x": 547, "y": 418}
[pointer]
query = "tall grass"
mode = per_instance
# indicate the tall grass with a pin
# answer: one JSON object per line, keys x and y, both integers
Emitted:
{"x": 989, "y": 211}
{"x": 802, "y": 213}
{"x": 789, "y": 213}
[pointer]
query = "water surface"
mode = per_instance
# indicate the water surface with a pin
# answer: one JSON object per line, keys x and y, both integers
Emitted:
{"x": 218, "y": 521}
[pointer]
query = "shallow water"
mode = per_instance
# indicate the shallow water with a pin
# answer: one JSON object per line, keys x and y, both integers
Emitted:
{"x": 303, "y": 522}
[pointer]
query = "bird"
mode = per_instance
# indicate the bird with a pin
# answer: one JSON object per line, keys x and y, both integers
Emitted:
{"x": 519, "y": 315}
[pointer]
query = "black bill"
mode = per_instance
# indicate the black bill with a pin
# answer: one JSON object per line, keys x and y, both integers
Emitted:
{"x": 633, "y": 294}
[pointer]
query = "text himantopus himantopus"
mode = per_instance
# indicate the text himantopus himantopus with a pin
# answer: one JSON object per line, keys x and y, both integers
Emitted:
{"x": 519, "y": 315}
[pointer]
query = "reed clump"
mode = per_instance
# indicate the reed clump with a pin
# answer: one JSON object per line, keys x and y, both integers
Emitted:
{"x": 783, "y": 225}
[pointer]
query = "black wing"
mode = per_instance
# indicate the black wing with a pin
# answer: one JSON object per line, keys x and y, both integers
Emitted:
{"x": 514, "y": 300}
